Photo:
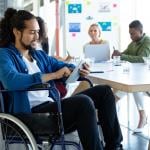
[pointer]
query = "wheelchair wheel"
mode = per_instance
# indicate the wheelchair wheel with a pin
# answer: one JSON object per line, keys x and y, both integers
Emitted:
{"x": 14, "y": 134}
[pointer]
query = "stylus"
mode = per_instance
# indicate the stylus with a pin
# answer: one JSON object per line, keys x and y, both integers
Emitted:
{"x": 97, "y": 72}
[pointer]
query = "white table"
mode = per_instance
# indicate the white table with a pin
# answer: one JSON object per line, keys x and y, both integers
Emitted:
{"x": 137, "y": 80}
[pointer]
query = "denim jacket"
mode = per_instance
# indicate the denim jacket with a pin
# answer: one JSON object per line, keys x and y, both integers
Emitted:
{"x": 14, "y": 75}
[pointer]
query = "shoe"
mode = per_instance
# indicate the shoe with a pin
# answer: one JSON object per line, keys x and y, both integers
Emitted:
{"x": 138, "y": 130}
{"x": 118, "y": 148}
{"x": 115, "y": 148}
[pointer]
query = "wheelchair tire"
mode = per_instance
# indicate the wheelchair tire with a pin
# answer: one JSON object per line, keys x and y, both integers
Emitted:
{"x": 14, "y": 132}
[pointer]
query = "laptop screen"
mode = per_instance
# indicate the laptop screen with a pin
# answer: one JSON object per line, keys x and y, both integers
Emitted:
{"x": 101, "y": 52}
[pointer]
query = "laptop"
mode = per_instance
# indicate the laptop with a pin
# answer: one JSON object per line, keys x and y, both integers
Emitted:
{"x": 101, "y": 52}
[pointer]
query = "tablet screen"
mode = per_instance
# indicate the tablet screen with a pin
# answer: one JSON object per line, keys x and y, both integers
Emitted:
{"x": 75, "y": 73}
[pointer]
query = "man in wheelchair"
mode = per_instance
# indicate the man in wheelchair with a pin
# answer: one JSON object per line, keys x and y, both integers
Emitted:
{"x": 21, "y": 66}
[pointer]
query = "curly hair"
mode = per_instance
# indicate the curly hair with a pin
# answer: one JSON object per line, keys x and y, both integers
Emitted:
{"x": 12, "y": 19}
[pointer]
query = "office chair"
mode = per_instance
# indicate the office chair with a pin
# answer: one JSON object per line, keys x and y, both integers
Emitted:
{"x": 32, "y": 131}
{"x": 61, "y": 86}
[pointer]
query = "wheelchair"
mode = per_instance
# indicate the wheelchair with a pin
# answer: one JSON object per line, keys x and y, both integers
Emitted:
{"x": 33, "y": 131}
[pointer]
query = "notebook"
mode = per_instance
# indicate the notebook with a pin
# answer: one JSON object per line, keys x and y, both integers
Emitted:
{"x": 101, "y": 52}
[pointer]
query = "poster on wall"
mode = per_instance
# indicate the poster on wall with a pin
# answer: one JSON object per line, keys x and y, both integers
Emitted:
{"x": 104, "y": 7}
{"x": 74, "y": 8}
{"x": 105, "y": 26}
{"x": 74, "y": 27}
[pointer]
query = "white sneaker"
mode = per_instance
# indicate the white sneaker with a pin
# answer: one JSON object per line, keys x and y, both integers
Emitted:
{"x": 138, "y": 130}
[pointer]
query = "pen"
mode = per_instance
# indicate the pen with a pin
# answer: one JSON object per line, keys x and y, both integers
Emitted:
{"x": 96, "y": 71}
{"x": 68, "y": 53}
{"x": 114, "y": 48}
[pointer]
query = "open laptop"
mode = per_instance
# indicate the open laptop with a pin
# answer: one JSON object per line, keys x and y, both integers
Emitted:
{"x": 101, "y": 52}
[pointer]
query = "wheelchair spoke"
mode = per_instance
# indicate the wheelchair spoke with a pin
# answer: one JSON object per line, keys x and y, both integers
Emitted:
{"x": 13, "y": 135}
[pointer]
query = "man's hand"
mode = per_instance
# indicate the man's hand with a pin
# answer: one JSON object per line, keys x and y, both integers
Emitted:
{"x": 63, "y": 72}
{"x": 116, "y": 53}
{"x": 85, "y": 70}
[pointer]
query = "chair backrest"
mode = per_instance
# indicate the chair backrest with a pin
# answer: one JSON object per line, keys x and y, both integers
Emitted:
{"x": 61, "y": 86}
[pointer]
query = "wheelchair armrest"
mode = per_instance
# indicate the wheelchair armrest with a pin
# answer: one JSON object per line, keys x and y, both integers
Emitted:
{"x": 33, "y": 87}
{"x": 39, "y": 86}
{"x": 86, "y": 79}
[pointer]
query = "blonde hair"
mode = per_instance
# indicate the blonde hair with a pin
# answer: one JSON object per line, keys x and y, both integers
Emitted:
{"x": 96, "y": 25}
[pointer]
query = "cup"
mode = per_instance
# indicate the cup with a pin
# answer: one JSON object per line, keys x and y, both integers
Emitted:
{"x": 75, "y": 60}
{"x": 147, "y": 61}
{"x": 90, "y": 61}
{"x": 116, "y": 61}
{"x": 125, "y": 66}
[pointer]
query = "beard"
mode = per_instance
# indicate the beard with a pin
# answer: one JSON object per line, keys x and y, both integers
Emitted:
{"x": 28, "y": 47}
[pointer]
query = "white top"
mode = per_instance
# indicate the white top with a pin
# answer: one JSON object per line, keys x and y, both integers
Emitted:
{"x": 36, "y": 97}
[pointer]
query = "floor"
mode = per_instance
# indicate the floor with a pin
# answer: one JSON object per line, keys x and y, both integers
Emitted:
{"x": 133, "y": 141}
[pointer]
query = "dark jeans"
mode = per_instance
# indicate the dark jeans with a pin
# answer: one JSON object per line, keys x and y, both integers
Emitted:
{"x": 104, "y": 102}
{"x": 79, "y": 114}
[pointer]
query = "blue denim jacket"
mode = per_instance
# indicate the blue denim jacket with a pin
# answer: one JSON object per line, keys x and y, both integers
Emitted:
{"x": 14, "y": 75}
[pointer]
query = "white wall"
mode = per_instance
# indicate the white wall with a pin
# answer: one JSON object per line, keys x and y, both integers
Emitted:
{"x": 127, "y": 11}
{"x": 47, "y": 12}
{"x": 76, "y": 40}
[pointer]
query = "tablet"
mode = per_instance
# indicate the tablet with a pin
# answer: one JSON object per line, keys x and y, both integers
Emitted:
{"x": 74, "y": 76}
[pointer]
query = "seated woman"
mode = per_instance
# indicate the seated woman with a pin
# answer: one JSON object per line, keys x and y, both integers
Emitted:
{"x": 43, "y": 40}
{"x": 95, "y": 34}
{"x": 97, "y": 49}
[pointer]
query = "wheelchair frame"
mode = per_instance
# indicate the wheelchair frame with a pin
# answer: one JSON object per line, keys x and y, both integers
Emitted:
{"x": 33, "y": 143}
